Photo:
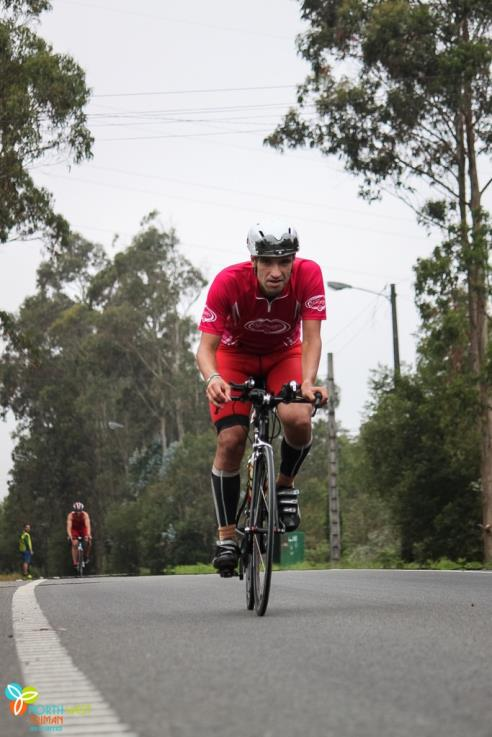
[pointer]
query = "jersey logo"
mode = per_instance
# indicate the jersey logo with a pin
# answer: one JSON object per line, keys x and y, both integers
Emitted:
{"x": 228, "y": 339}
{"x": 316, "y": 303}
{"x": 264, "y": 325}
{"x": 208, "y": 315}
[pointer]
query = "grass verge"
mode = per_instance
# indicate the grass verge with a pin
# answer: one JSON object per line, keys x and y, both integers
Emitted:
{"x": 444, "y": 564}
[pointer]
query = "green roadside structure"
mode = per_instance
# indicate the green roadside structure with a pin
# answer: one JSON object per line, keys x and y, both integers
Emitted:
{"x": 289, "y": 548}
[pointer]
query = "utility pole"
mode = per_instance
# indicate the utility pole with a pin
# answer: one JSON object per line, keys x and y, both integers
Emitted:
{"x": 333, "y": 500}
{"x": 394, "y": 323}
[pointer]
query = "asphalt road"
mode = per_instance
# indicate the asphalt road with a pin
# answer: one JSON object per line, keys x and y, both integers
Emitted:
{"x": 339, "y": 653}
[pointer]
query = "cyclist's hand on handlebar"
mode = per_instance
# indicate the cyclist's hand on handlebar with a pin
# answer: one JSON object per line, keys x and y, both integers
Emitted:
{"x": 218, "y": 391}
{"x": 318, "y": 394}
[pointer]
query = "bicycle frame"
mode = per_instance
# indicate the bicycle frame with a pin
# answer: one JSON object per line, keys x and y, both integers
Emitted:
{"x": 258, "y": 444}
{"x": 258, "y": 510}
{"x": 261, "y": 424}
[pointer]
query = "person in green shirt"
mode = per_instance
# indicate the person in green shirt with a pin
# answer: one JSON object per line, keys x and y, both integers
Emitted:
{"x": 26, "y": 551}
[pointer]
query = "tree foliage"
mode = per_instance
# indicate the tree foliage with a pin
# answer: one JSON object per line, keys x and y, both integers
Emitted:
{"x": 422, "y": 458}
{"x": 389, "y": 82}
{"x": 401, "y": 92}
{"x": 104, "y": 364}
{"x": 42, "y": 99}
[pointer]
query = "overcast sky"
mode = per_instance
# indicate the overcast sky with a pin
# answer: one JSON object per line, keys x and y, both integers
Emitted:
{"x": 183, "y": 95}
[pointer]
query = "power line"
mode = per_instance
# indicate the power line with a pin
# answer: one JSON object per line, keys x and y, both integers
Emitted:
{"x": 167, "y": 112}
{"x": 354, "y": 319}
{"x": 191, "y": 110}
{"x": 265, "y": 151}
{"x": 358, "y": 332}
{"x": 185, "y": 135}
{"x": 181, "y": 21}
{"x": 240, "y": 192}
{"x": 205, "y": 248}
{"x": 222, "y": 115}
{"x": 241, "y": 120}
{"x": 209, "y": 203}
{"x": 187, "y": 115}
{"x": 197, "y": 91}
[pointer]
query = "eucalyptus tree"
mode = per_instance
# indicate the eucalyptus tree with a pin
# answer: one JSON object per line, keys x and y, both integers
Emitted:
{"x": 42, "y": 115}
{"x": 97, "y": 368}
{"x": 43, "y": 96}
{"x": 401, "y": 91}
{"x": 44, "y": 379}
{"x": 144, "y": 297}
{"x": 421, "y": 457}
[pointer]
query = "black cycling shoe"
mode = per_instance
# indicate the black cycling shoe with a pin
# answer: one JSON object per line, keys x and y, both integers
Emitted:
{"x": 226, "y": 558}
{"x": 288, "y": 508}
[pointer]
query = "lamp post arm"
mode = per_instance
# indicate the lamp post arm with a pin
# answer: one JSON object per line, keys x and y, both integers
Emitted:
{"x": 372, "y": 291}
{"x": 338, "y": 286}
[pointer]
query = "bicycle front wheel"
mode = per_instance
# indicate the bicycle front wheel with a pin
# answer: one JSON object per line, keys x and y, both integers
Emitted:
{"x": 263, "y": 512}
{"x": 80, "y": 563}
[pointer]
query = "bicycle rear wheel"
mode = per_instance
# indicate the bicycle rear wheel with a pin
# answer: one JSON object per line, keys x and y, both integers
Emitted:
{"x": 263, "y": 527}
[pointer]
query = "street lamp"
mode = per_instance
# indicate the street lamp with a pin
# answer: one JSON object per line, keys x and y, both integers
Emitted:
{"x": 121, "y": 446}
{"x": 338, "y": 286}
{"x": 115, "y": 425}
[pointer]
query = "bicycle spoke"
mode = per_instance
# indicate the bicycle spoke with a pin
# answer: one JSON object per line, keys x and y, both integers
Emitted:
{"x": 261, "y": 558}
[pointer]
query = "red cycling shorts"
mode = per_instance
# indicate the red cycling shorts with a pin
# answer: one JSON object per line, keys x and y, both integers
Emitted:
{"x": 276, "y": 369}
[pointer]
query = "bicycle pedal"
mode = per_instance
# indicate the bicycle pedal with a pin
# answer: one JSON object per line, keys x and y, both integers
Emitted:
{"x": 228, "y": 573}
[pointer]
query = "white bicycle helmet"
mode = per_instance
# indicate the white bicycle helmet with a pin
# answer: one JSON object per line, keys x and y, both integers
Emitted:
{"x": 78, "y": 507}
{"x": 272, "y": 239}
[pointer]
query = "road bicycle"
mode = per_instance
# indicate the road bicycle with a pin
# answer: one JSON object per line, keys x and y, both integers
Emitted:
{"x": 257, "y": 521}
{"x": 80, "y": 557}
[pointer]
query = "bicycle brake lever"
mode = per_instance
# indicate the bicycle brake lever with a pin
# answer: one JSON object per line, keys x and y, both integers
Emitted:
{"x": 317, "y": 403}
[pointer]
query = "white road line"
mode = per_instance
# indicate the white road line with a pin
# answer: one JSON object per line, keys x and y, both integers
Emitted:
{"x": 48, "y": 667}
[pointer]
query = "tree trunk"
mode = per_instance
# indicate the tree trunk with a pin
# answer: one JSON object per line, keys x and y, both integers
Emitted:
{"x": 479, "y": 319}
{"x": 177, "y": 383}
{"x": 163, "y": 432}
{"x": 486, "y": 478}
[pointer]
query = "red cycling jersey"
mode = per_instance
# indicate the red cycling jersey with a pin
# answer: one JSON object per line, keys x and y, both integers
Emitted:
{"x": 260, "y": 336}
{"x": 248, "y": 321}
{"x": 79, "y": 525}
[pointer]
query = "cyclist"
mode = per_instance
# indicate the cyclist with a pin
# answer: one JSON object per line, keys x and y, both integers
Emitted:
{"x": 79, "y": 525}
{"x": 26, "y": 551}
{"x": 251, "y": 326}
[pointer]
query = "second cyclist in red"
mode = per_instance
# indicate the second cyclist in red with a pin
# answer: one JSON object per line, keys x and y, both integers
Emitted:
{"x": 79, "y": 525}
